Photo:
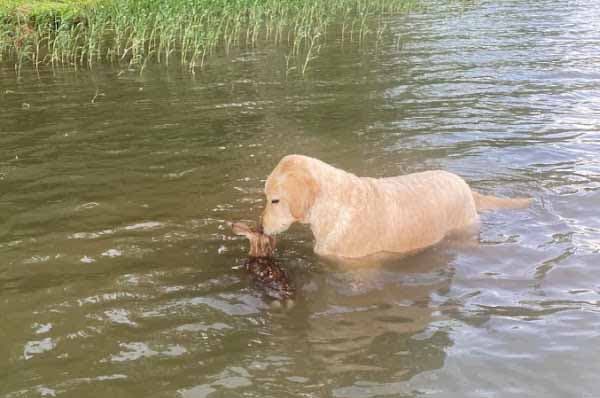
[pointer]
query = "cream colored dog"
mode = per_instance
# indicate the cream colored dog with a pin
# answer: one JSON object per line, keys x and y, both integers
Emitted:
{"x": 354, "y": 216}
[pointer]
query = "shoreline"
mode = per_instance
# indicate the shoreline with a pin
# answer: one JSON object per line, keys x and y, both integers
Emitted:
{"x": 82, "y": 33}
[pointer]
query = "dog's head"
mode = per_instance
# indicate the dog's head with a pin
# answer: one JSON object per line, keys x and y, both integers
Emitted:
{"x": 290, "y": 192}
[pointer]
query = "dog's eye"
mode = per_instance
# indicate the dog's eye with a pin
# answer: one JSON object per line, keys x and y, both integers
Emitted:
{"x": 275, "y": 201}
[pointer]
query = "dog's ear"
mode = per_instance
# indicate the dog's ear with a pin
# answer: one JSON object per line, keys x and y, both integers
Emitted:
{"x": 302, "y": 190}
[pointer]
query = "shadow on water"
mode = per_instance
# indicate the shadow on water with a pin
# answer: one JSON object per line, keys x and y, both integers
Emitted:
{"x": 372, "y": 324}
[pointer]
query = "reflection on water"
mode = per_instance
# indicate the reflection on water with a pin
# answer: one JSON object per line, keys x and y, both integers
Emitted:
{"x": 118, "y": 274}
{"x": 386, "y": 312}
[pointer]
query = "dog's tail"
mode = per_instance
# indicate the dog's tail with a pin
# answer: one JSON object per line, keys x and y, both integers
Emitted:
{"x": 485, "y": 202}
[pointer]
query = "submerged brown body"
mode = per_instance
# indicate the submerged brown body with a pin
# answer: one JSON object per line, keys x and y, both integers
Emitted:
{"x": 261, "y": 265}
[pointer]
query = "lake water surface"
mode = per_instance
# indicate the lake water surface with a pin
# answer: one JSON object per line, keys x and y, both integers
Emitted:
{"x": 119, "y": 278}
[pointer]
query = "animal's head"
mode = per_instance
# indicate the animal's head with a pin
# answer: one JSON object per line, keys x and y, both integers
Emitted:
{"x": 290, "y": 193}
{"x": 261, "y": 245}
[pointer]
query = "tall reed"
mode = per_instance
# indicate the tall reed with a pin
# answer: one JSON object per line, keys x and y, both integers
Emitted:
{"x": 87, "y": 32}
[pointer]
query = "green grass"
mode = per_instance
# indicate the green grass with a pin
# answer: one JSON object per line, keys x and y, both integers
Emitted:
{"x": 82, "y": 33}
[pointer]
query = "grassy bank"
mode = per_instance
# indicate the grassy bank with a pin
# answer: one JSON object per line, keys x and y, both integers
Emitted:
{"x": 82, "y": 33}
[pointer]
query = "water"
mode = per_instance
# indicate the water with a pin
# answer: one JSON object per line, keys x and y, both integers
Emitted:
{"x": 118, "y": 277}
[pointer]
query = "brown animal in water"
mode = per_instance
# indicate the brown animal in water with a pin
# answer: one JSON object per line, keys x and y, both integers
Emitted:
{"x": 261, "y": 265}
{"x": 354, "y": 216}
{"x": 261, "y": 245}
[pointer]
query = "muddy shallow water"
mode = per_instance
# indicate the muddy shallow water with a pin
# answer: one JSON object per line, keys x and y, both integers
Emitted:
{"x": 118, "y": 275}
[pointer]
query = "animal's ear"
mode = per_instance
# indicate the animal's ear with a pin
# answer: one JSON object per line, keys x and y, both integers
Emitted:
{"x": 302, "y": 190}
{"x": 239, "y": 228}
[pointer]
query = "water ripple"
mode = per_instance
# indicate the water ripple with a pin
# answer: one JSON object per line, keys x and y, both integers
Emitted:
{"x": 118, "y": 272}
